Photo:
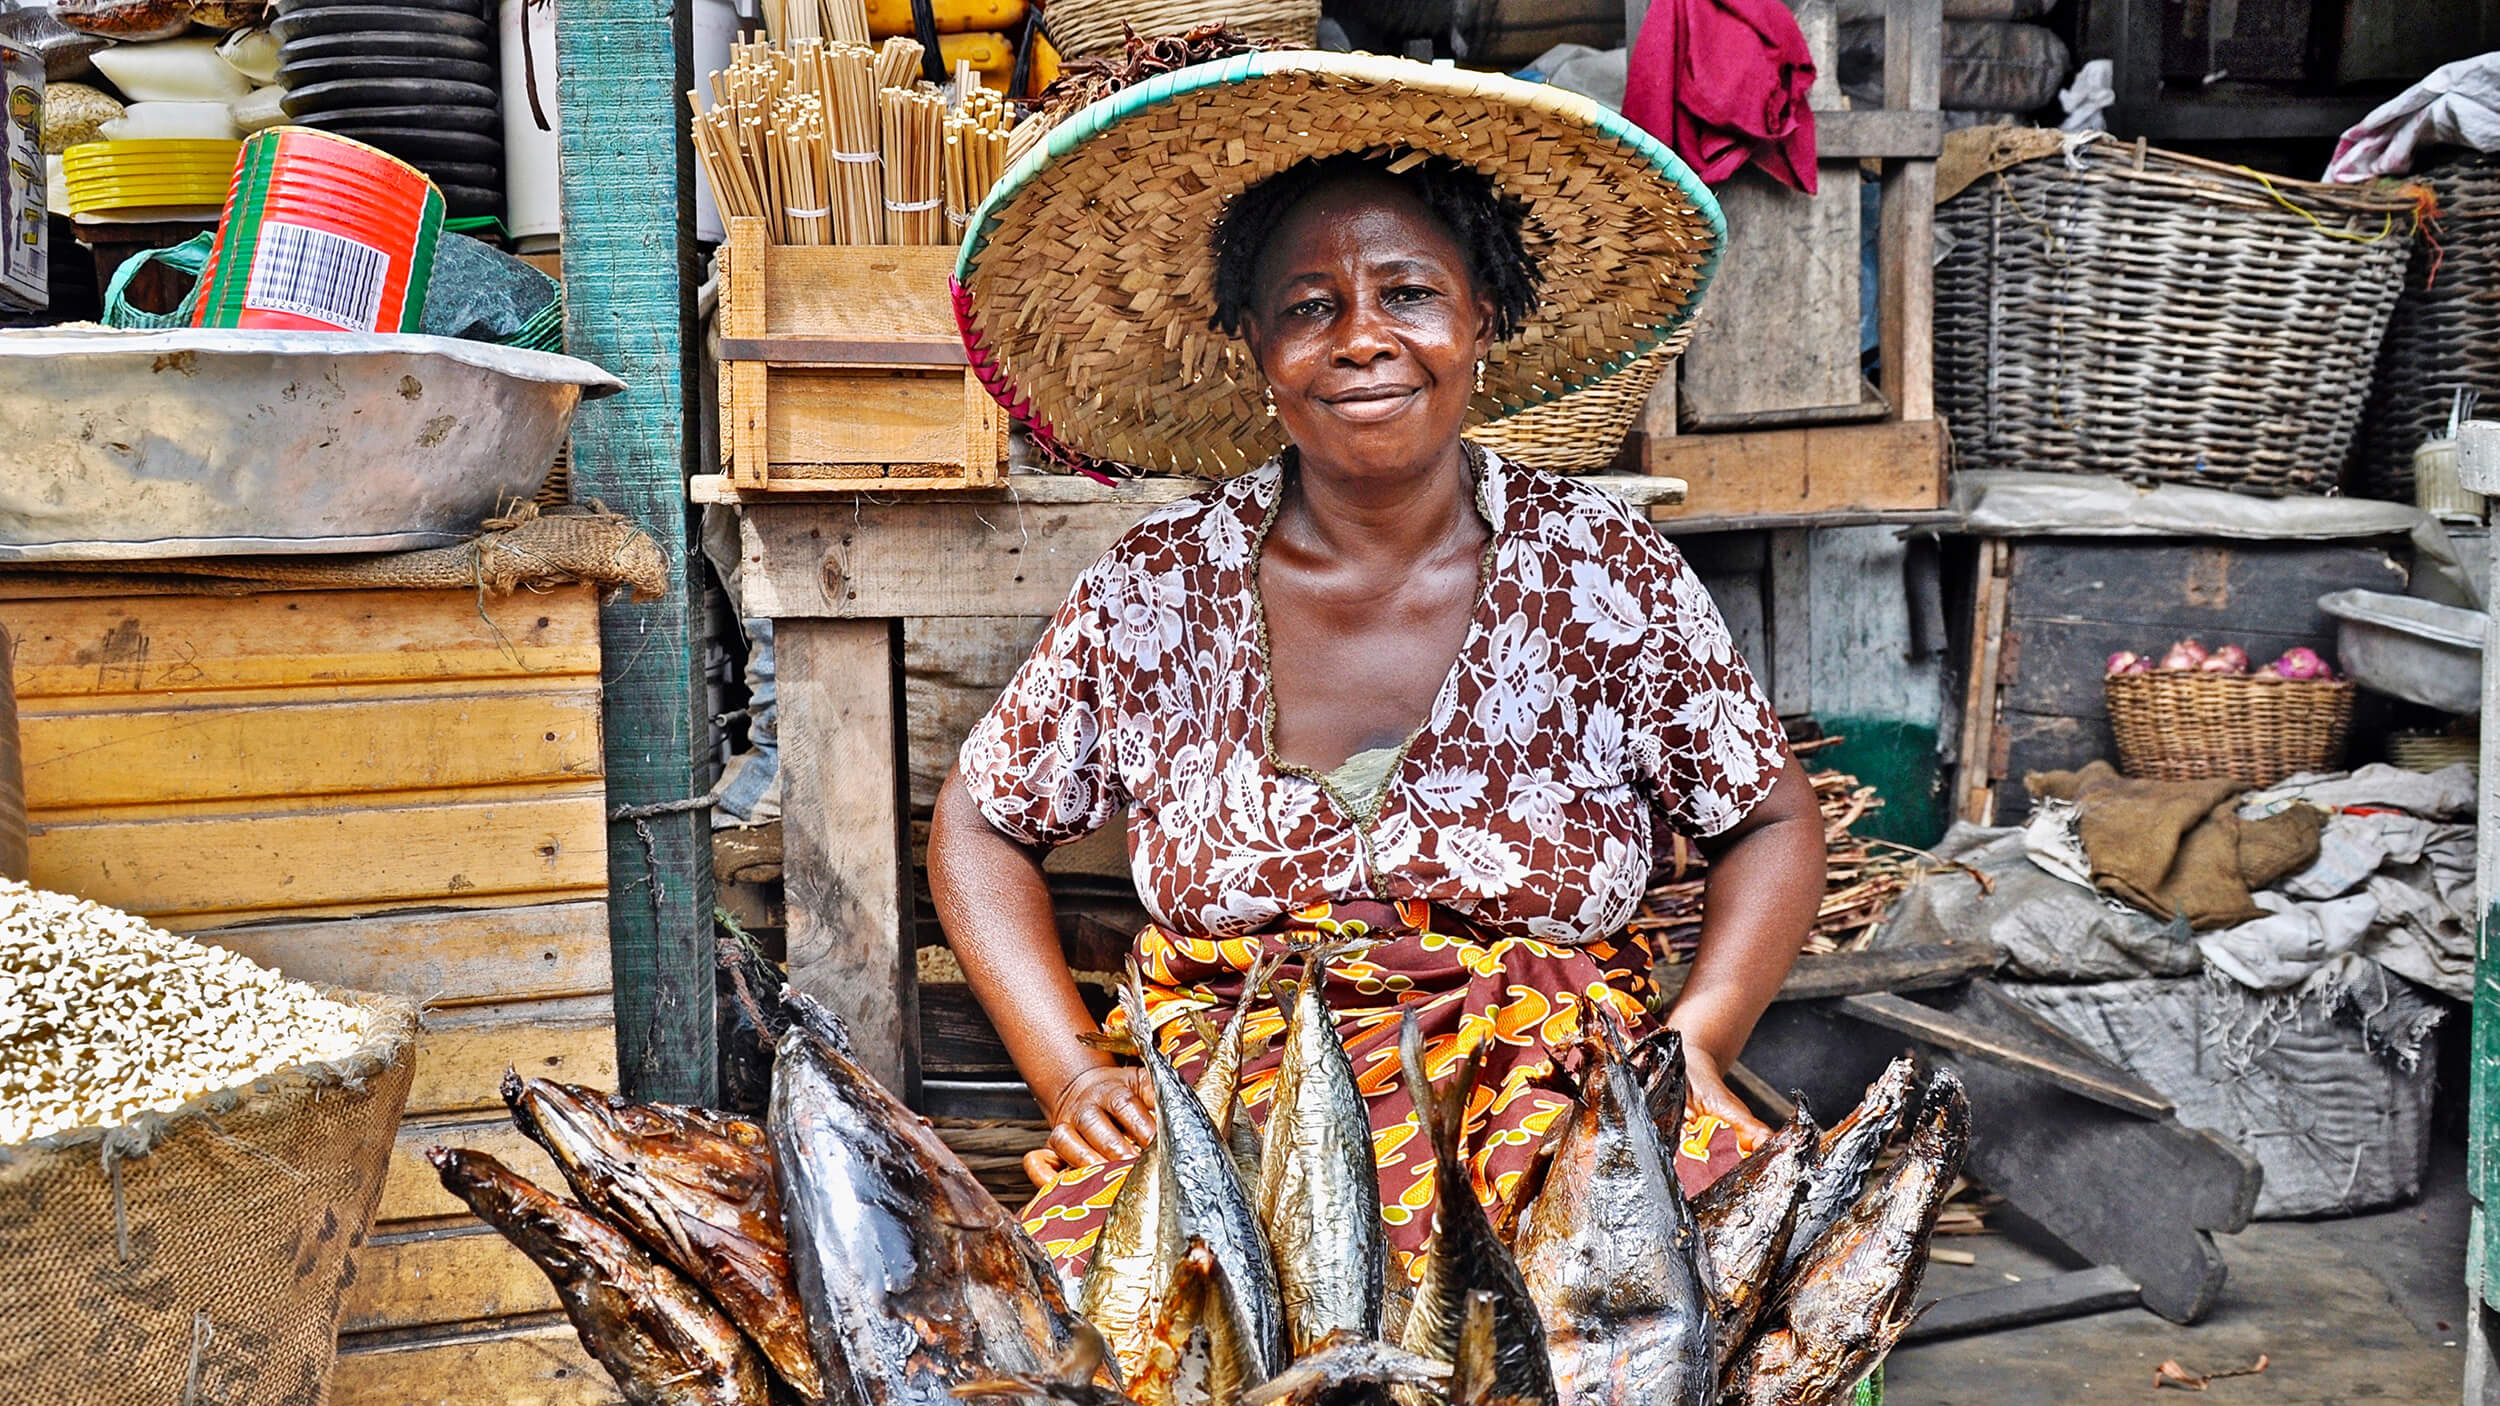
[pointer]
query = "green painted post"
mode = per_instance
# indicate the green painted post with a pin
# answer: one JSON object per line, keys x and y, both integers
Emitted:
{"x": 629, "y": 279}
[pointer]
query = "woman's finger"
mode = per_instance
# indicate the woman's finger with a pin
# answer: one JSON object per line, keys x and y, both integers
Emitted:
{"x": 1072, "y": 1148}
{"x": 1135, "y": 1118}
{"x": 1041, "y": 1165}
{"x": 1099, "y": 1128}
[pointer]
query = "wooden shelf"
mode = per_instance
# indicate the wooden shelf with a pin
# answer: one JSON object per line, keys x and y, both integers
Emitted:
{"x": 1075, "y": 490}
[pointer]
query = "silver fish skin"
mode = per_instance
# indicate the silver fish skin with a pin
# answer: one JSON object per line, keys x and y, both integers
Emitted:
{"x": 659, "y": 1338}
{"x": 1612, "y": 1255}
{"x": 1465, "y": 1268}
{"x": 1748, "y": 1219}
{"x": 1856, "y": 1288}
{"x": 1319, "y": 1179}
{"x": 1212, "y": 1204}
{"x": 1849, "y": 1151}
{"x": 1345, "y": 1368}
{"x": 915, "y": 1279}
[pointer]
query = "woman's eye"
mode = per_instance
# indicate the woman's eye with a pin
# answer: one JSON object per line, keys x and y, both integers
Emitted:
{"x": 1308, "y": 307}
{"x": 1410, "y": 293}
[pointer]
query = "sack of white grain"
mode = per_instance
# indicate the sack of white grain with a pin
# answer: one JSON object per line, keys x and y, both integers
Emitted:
{"x": 191, "y": 1148}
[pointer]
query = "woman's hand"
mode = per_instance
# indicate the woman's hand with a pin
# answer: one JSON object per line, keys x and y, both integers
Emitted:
{"x": 1705, "y": 1089}
{"x": 1104, "y": 1114}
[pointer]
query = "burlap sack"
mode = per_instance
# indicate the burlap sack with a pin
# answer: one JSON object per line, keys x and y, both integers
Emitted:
{"x": 200, "y": 1258}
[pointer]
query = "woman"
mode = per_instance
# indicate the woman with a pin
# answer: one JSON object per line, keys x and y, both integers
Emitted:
{"x": 1385, "y": 686}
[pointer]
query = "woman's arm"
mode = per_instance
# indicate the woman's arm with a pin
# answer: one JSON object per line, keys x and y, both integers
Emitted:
{"x": 995, "y": 906}
{"x": 1765, "y": 883}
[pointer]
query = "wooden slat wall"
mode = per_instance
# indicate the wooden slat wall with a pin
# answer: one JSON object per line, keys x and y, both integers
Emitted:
{"x": 381, "y": 790}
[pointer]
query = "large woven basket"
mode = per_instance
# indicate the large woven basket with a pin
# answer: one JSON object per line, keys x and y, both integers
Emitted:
{"x": 2445, "y": 332}
{"x": 1089, "y": 28}
{"x": 2178, "y": 726}
{"x": 1582, "y": 432}
{"x": 2161, "y": 317}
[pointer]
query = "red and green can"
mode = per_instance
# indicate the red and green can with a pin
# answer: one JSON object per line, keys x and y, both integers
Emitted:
{"x": 321, "y": 234}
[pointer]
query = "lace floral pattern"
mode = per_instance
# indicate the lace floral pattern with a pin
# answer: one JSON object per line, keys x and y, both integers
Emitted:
{"x": 1598, "y": 695}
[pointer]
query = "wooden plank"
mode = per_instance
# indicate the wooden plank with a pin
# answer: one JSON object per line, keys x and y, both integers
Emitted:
{"x": 845, "y": 816}
{"x": 432, "y": 851}
{"x": 1149, "y": 492}
{"x": 953, "y": 671}
{"x": 2144, "y": 1195}
{"x": 630, "y": 267}
{"x": 1975, "y": 778}
{"x": 868, "y": 293}
{"x": 1864, "y": 133}
{"x": 865, "y": 417}
{"x": 745, "y": 388}
{"x": 85, "y": 648}
{"x": 412, "y": 1192}
{"x": 443, "y": 958}
{"x": 457, "y": 1274}
{"x": 1905, "y": 256}
{"x": 2046, "y": 1299}
{"x": 974, "y": 554}
{"x": 539, "y": 1364}
{"x": 1821, "y": 976}
{"x": 87, "y": 759}
{"x": 2072, "y": 1069}
{"x": 835, "y": 352}
{"x": 1788, "y": 592}
{"x": 1883, "y": 466}
{"x": 462, "y": 1054}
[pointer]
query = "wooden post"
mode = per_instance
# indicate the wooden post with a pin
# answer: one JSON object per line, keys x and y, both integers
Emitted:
{"x": 1906, "y": 311}
{"x": 846, "y": 819}
{"x": 629, "y": 266}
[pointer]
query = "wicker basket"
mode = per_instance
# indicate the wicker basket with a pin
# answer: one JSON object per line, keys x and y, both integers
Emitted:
{"x": 1092, "y": 28}
{"x": 1582, "y": 432}
{"x": 2177, "y": 726}
{"x": 2162, "y": 317}
{"x": 2444, "y": 334}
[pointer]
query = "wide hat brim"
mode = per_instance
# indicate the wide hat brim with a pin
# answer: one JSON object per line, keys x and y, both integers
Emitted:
{"x": 1085, "y": 283}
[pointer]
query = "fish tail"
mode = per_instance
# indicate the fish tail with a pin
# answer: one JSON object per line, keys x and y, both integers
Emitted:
{"x": 1442, "y": 1112}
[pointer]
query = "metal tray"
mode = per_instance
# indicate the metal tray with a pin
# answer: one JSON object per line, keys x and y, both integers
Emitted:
{"x": 208, "y": 442}
{"x": 2409, "y": 648}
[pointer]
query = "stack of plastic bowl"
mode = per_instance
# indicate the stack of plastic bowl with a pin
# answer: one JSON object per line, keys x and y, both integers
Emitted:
{"x": 156, "y": 180}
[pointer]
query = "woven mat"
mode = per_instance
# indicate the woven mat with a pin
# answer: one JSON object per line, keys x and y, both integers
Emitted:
{"x": 534, "y": 546}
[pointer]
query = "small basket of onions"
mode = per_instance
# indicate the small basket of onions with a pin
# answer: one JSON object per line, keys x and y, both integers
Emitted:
{"x": 2195, "y": 714}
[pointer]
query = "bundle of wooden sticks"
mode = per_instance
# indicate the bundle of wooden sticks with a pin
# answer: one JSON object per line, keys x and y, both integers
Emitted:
{"x": 1863, "y": 878}
{"x": 832, "y": 142}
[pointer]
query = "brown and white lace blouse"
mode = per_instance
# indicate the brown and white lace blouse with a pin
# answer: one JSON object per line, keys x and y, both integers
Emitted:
{"x": 1598, "y": 694}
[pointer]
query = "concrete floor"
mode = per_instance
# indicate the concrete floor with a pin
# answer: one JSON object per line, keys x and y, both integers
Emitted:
{"x": 2365, "y": 1309}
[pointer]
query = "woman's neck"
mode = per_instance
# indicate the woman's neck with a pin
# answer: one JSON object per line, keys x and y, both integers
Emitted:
{"x": 1403, "y": 514}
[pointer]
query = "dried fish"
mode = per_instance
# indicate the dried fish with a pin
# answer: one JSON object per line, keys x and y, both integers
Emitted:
{"x": 696, "y": 1188}
{"x": 1747, "y": 1219}
{"x": 913, "y": 1278}
{"x": 1853, "y": 1291}
{"x": 1133, "y": 1261}
{"x": 1319, "y": 1184}
{"x": 1347, "y": 1367}
{"x": 1075, "y": 1380}
{"x": 1210, "y": 1201}
{"x": 1200, "y": 1345}
{"x": 1849, "y": 1150}
{"x": 650, "y": 1327}
{"x": 1610, "y": 1251}
{"x": 1465, "y": 1266}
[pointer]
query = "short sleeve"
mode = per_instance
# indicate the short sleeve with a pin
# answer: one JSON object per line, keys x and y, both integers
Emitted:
{"x": 1036, "y": 763}
{"x": 1705, "y": 736}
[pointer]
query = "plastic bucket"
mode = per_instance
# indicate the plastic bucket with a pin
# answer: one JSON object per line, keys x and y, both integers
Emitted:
{"x": 532, "y": 210}
{"x": 321, "y": 234}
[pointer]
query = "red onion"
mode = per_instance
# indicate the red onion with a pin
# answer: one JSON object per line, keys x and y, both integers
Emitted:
{"x": 2301, "y": 662}
{"x": 2230, "y": 659}
{"x": 2125, "y": 661}
{"x": 2186, "y": 654}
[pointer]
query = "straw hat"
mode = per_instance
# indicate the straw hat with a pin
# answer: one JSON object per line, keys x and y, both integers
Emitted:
{"x": 1086, "y": 280}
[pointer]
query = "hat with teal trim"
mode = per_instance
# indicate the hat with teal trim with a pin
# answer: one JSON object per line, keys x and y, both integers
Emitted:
{"x": 1086, "y": 281}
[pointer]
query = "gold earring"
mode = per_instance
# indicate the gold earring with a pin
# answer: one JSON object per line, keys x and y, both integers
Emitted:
{"x": 1479, "y": 376}
{"x": 1270, "y": 395}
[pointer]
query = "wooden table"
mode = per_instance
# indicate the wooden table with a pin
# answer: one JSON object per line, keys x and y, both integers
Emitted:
{"x": 838, "y": 574}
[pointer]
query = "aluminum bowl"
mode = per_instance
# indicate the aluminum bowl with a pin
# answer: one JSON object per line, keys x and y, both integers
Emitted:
{"x": 209, "y": 442}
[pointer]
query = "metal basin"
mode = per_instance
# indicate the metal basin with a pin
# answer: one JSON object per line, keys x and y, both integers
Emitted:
{"x": 205, "y": 442}
{"x": 2412, "y": 649}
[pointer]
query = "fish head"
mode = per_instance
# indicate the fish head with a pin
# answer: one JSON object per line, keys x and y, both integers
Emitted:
{"x": 1944, "y": 1130}
{"x": 544, "y": 1228}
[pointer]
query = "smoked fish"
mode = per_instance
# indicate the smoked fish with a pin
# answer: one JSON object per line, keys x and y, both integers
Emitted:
{"x": 1849, "y": 1150}
{"x": 652, "y": 1329}
{"x": 1747, "y": 1219}
{"x": 1319, "y": 1180}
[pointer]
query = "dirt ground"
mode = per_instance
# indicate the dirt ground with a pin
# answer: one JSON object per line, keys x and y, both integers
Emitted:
{"x": 2365, "y": 1309}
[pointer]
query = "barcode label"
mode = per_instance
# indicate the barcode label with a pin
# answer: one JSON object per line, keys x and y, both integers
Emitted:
{"x": 316, "y": 274}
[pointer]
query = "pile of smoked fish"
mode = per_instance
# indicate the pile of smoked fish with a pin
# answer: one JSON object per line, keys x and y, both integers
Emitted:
{"x": 839, "y": 1253}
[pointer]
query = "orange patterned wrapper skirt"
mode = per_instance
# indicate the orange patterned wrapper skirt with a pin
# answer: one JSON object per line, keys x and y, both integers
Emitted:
{"x": 1520, "y": 998}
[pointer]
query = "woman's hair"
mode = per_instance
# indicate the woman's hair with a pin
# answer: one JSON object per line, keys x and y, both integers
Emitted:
{"x": 1483, "y": 220}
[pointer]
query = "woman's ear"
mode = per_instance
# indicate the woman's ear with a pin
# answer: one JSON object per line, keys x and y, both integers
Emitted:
{"x": 1484, "y": 326}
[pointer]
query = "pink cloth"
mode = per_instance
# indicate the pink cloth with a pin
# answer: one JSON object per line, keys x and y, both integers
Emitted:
{"x": 1724, "y": 82}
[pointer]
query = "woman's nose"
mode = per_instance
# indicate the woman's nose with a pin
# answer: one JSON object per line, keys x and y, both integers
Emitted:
{"x": 1364, "y": 336}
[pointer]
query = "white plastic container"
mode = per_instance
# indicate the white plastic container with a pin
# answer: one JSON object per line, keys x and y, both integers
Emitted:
{"x": 532, "y": 208}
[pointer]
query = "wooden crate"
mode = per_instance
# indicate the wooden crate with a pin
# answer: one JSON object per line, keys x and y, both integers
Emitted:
{"x": 383, "y": 790}
{"x": 841, "y": 370}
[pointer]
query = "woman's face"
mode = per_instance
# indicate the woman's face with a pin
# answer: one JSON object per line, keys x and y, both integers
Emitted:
{"x": 1368, "y": 327}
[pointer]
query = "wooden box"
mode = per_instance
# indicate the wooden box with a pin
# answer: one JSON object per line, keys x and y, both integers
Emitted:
{"x": 387, "y": 790}
{"x": 842, "y": 370}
